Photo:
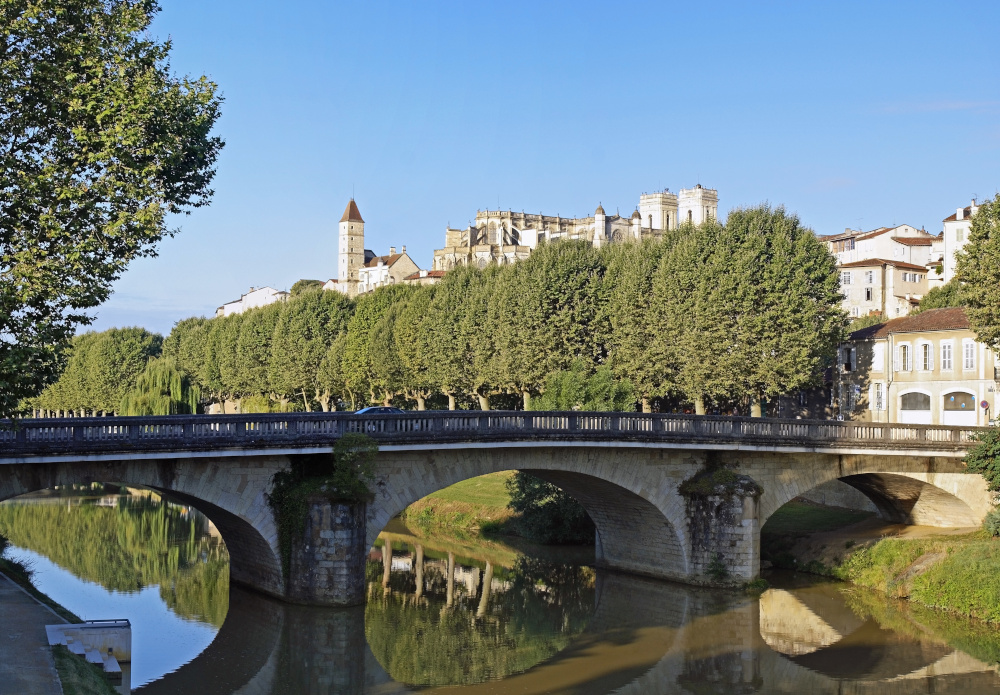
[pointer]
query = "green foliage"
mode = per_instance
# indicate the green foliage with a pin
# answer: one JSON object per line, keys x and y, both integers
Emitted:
{"x": 947, "y": 295}
{"x": 756, "y": 587}
{"x": 305, "y": 286}
{"x": 865, "y": 322}
{"x": 978, "y": 271}
{"x": 880, "y": 566}
{"x": 984, "y": 458}
{"x": 717, "y": 568}
{"x": 991, "y": 524}
{"x": 718, "y": 481}
{"x": 161, "y": 390}
{"x": 98, "y": 144}
{"x": 102, "y": 368}
{"x": 548, "y": 515}
{"x": 339, "y": 477}
{"x": 577, "y": 388}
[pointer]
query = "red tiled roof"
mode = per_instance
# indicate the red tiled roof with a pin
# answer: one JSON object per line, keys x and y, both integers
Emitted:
{"x": 914, "y": 241}
{"x": 430, "y": 274}
{"x": 950, "y": 319}
{"x": 387, "y": 260}
{"x": 351, "y": 213}
{"x": 966, "y": 214}
{"x": 882, "y": 261}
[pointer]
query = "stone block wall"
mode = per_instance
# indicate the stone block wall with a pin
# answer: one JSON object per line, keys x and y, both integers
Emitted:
{"x": 328, "y": 567}
{"x": 723, "y": 528}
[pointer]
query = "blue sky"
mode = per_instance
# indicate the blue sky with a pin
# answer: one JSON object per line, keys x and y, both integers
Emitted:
{"x": 850, "y": 114}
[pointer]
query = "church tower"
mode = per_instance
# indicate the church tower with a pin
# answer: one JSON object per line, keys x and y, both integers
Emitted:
{"x": 352, "y": 244}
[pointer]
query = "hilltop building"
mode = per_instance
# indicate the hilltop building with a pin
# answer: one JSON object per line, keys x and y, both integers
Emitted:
{"x": 505, "y": 236}
{"x": 955, "y": 236}
{"x": 256, "y": 297}
{"x": 360, "y": 270}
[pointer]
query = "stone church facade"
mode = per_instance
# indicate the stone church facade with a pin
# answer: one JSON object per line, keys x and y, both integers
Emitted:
{"x": 505, "y": 236}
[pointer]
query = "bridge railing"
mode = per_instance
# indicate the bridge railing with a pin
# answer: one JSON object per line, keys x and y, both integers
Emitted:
{"x": 197, "y": 432}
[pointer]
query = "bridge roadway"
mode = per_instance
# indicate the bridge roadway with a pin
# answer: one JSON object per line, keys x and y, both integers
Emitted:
{"x": 626, "y": 469}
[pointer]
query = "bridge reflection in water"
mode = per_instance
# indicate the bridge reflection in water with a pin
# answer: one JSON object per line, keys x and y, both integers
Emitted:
{"x": 624, "y": 635}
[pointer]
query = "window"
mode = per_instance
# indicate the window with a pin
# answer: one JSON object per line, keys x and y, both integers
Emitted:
{"x": 915, "y": 401}
{"x": 959, "y": 401}
{"x": 926, "y": 357}
{"x": 968, "y": 354}
{"x": 845, "y": 277}
{"x": 959, "y": 235}
{"x": 878, "y": 397}
{"x": 903, "y": 358}
{"x": 849, "y": 357}
{"x": 868, "y": 294}
{"x": 946, "y": 363}
{"x": 869, "y": 276}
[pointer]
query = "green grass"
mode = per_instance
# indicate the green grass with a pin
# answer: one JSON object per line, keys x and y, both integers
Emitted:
{"x": 471, "y": 504}
{"x": 799, "y": 517}
{"x": 967, "y": 581}
{"x": 486, "y": 490}
{"x": 79, "y": 677}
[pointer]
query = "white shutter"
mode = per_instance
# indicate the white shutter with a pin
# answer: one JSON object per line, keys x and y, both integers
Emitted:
{"x": 896, "y": 362}
{"x": 930, "y": 360}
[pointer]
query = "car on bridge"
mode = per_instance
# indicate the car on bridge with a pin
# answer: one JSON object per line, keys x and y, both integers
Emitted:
{"x": 379, "y": 410}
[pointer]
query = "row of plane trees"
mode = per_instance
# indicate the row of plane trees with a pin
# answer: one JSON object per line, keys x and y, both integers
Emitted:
{"x": 707, "y": 314}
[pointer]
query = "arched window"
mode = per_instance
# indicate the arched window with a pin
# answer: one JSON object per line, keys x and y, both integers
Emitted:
{"x": 915, "y": 401}
{"x": 690, "y": 215}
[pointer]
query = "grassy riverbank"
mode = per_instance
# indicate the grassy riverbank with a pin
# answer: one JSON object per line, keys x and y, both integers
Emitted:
{"x": 956, "y": 572}
{"x": 468, "y": 505}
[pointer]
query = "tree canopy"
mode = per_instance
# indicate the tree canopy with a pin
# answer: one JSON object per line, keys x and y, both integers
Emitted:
{"x": 947, "y": 295}
{"x": 979, "y": 272}
{"x": 99, "y": 144}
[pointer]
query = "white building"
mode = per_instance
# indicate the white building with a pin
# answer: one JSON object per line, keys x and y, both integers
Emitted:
{"x": 956, "y": 235}
{"x": 256, "y": 297}
{"x": 382, "y": 271}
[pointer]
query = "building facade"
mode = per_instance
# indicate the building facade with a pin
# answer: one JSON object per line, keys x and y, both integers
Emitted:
{"x": 956, "y": 235}
{"x": 359, "y": 269}
{"x": 505, "y": 236}
{"x": 892, "y": 288}
{"x": 256, "y": 297}
{"x": 922, "y": 369}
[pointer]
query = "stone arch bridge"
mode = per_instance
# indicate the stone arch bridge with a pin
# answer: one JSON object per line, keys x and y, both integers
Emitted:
{"x": 627, "y": 469}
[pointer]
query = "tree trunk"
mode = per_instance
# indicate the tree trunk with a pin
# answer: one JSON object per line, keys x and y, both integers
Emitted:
{"x": 421, "y": 403}
{"x": 305, "y": 401}
{"x": 647, "y": 407}
{"x": 526, "y": 397}
{"x": 484, "y": 401}
{"x": 451, "y": 401}
{"x": 699, "y": 405}
{"x": 755, "y": 409}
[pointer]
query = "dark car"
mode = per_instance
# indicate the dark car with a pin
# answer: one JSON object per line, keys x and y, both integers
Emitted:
{"x": 379, "y": 410}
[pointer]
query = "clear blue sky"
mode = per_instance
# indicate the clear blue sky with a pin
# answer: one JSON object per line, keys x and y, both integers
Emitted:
{"x": 850, "y": 114}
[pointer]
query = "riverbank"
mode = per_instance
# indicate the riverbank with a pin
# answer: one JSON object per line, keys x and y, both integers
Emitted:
{"x": 956, "y": 570}
{"x": 24, "y": 612}
{"x": 471, "y": 505}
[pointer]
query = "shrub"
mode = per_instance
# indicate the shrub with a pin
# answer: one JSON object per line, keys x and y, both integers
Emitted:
{"x": 991, "y": 524}
{"x": 717, "y": 569}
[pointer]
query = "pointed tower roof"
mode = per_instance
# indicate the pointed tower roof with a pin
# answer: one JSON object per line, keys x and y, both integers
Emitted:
{"x": 351, "y": 213}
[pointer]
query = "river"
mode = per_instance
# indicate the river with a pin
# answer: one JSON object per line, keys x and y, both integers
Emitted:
{"x": 460, "y": 615}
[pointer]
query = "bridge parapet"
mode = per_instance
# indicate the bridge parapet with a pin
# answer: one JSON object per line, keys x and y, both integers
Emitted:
{"x": 35, "y": 437}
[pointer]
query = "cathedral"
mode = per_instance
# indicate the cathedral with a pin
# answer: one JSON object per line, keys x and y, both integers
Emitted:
{"x": 504, "y": 236}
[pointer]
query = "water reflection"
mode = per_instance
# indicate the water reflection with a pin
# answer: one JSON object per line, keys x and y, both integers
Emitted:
{"x": 462, "y": 616}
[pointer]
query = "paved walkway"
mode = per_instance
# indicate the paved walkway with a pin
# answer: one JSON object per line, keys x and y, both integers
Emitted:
{"x": 26, "y": 666}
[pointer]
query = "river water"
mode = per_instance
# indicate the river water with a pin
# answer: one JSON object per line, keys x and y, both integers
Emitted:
{"x": 458, "y": 615}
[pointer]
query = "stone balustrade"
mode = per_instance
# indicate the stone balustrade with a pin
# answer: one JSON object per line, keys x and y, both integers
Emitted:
{"x": 32, "y": 437}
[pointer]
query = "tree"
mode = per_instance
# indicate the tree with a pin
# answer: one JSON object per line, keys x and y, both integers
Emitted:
{"x": 414, "y": 354}
{"x": 358, "y": 352}
{"x": 577, "y": 388}
{"x": 548, "y": 515}
{"x": 253, "y": 349}
{"x": 947, "y": 295}
{"x": 161, "y": 389}
{"x": 306, "y": 285}
{"x": 186, "y": 346}
{"x": 978, "y": 270}
{"x": 99, "y": 143}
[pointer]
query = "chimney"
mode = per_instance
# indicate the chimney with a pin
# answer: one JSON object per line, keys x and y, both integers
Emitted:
{"x": 960, "y": 214}
{"x": 404, "y": 249}
{"x": 975, "y": 208}
{"x": 392, "y": 250}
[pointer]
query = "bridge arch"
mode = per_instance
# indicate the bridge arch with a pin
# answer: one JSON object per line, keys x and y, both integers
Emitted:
{"x": 233, "y": 499}
{"x": 640, "y": 520}
{"x": 916, "y": 492}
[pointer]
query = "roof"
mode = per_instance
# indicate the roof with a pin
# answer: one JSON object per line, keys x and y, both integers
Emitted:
{"x": 387, "y": 260}
{"x": 950, "y": 319}
{"x": 966, "y": 214}
{"x": 428, "y": 274}
{"x": 882, "y": 261}
{"x": 351, "y": 213}
{"x": 914, "y": 241}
